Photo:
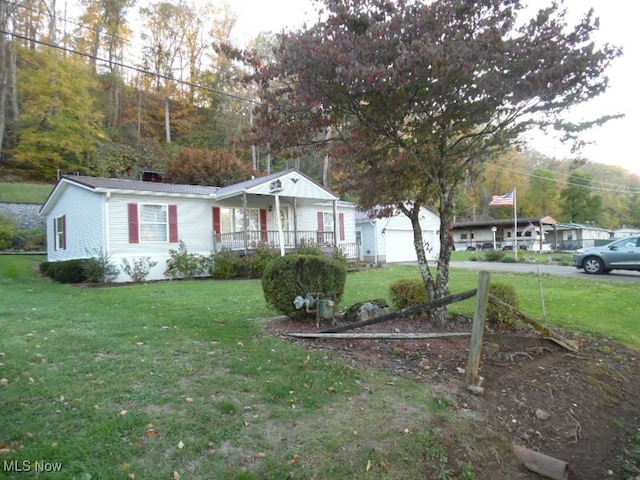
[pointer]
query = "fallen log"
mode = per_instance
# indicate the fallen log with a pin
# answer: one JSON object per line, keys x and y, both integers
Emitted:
{"x": 490, "y": 337}
{"x": 546, "y": 331}
{"x": 381, "y": 336}
{"x": 406, "y": 312}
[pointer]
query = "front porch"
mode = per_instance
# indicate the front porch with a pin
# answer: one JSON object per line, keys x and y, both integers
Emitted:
{"x": 247, "y": 241}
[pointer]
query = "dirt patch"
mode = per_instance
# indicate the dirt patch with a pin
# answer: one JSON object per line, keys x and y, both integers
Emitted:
{"x": 578, "y": 407}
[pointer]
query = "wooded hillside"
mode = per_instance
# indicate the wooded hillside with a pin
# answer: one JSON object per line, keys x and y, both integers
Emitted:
{"x": 85, "y": 90}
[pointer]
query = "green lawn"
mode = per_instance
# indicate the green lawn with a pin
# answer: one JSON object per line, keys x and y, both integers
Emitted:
{"x": 24, "y": 192}
{"x": 141, "y": 381}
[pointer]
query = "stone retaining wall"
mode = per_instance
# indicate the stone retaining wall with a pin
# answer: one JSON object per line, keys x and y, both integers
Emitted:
{"x": 25, "y": 215}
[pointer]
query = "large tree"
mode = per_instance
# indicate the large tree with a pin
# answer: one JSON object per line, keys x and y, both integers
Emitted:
{"x": 579, "y": 203}
{"x": 419, "y": 95}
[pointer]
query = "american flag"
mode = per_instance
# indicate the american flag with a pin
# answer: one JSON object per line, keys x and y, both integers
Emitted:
{"x": 531, "y": 226}
{"x": 500, "y": 200}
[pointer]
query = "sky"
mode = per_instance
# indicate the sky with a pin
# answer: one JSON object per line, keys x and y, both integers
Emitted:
{"x": 613, "y": 143}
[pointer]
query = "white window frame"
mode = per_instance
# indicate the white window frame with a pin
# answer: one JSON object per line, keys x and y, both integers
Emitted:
{"x": 59, "y": 233}
{"x": 327, "y": 225}
{"x": 149, "y": 229}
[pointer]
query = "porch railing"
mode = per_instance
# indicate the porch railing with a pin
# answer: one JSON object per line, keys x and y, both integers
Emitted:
{"x": 292, "y": 240}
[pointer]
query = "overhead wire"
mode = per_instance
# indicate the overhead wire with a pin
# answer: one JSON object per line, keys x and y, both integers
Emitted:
{"x": 607, "y": 187}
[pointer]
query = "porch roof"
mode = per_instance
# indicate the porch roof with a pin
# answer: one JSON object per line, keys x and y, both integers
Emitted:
{"x": 294, "y": 184}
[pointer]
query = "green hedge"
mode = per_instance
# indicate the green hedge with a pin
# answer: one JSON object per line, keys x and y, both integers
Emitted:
{"x": 68, "y": 271}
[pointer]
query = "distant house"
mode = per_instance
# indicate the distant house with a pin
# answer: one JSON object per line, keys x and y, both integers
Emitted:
{"x": 571, "y": 236}
{"x": 530, "y": 233}
{"x": 626, "y": 232}
{"x": 129, "y": 219}
{"x": 390, "y": 240}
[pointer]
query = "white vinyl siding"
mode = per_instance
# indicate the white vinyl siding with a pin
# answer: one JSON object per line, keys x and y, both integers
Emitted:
{"x": 83, "y": 212}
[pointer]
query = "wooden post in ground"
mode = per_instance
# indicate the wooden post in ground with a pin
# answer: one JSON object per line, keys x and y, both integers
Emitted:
{"x": 477, "y": 331}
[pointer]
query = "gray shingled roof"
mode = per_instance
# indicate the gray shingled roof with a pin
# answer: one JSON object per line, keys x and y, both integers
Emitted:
{"x": 140, "y": 186}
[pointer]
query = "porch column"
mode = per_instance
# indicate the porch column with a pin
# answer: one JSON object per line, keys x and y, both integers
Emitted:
{"x": 335, "y": 223}
{"x": 245, "y": 223}
{"x": 295, "y": 222}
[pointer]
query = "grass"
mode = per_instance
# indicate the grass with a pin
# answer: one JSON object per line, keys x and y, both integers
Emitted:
{"x": 523, "y": 256}
{"x": 24, "y": 192}
{"x": 145, "y": 380}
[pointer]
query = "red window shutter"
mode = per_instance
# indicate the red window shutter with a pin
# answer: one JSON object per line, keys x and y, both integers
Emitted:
{"x": 320, "y": 221}
{"x": 341, "y": 221}
{"x": 263, "y": 224}
{"x": 173, "y": 223}
{"x": 134, "y": 236}
{"x": 216, "y": 220}
{"x": 64, "y": 232}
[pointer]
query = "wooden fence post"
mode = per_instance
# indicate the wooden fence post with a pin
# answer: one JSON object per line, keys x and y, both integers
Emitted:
{"x": 477, "y": 331}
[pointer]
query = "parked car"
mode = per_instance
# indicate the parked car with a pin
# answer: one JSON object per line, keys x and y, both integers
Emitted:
{"x": 623, "y": 254}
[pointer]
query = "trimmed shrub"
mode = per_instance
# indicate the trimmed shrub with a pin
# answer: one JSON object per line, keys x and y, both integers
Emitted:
{"x": 497, "y": 316}
{"x": 287, "y": 277}
{"x": 408, "y": 293}
{"x": 227, "y": 264}
{"x": 67, "y": 271}
{"x": 259, "y": 260}
{"x": 44, "y": 267}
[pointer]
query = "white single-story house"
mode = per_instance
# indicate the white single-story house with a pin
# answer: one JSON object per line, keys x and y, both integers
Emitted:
{"x": 131, "y": 219}
{"x": 390, "y": 240}
{"x": 571, "y": 236}
{"x": 626, "y": 232}
{"x": 531, "y": 233}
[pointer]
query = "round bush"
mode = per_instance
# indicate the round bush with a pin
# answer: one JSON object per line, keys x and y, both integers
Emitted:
{"x": 408, "y": 293}
{"x": 290, "y": 276}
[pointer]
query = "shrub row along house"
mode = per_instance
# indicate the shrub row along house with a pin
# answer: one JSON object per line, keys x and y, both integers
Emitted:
{"x": 130, "y": 219}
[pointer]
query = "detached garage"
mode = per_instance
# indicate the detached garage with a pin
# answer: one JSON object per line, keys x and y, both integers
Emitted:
{"x": 390, "y": 240}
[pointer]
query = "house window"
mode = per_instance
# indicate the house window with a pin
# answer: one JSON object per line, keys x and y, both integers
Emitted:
{"x": 327, "y": 222}
{"x": 463, "y": 236}
{"x": 154, "y": 223}
{"x": 232, "y": 220}
{"x": 60, "y": 234}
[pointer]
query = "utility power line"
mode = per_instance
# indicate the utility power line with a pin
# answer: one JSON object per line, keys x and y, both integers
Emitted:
{"x": 131, "y": 67}
{"x": 607, "y": 187}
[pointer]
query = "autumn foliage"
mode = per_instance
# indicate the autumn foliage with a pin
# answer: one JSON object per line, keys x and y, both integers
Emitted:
{"x": 218, "y": 168}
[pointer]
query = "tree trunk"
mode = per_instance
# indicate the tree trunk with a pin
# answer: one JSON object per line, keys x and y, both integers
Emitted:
{"x": 445, "y": 212}
{"x": 4, "y": 61}
{"x": 167, "y": 119}
{"x": 438, "y": 315}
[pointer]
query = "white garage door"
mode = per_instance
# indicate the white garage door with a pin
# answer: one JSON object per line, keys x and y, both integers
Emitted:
{"x": 399, "y": 246}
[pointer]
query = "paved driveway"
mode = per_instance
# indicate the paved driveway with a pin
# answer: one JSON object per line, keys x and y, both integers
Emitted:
{"x": 530, "y": 267}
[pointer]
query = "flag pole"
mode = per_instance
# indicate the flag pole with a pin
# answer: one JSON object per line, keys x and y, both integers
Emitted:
{"x": 515, "y": 226}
